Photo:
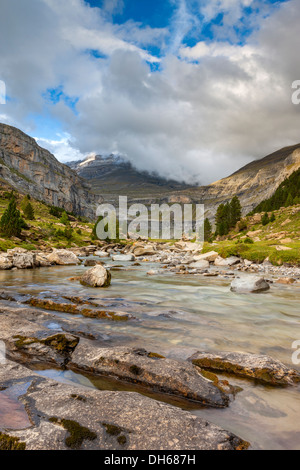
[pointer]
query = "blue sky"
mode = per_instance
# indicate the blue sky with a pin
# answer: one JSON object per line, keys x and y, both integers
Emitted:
{"x": 191, "y": 89}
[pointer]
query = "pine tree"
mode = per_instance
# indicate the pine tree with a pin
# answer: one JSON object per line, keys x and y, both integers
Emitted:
{"x": 207, "y": 230}
{"x": 64, "y": 219}
{"x": 265, "y": 220}
{"x": 236, "y": 211}
{"x": 11, "y": 222}
{"x": 28, "y": 211}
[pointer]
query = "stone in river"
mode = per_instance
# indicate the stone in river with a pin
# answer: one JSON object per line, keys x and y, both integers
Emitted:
{"x": 96, "y": 277}
{"x": 249, "y": 284}
{"x": 252, "y": 366}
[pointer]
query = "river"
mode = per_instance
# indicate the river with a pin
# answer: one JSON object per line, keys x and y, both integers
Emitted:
{"x": 178, "y": 315}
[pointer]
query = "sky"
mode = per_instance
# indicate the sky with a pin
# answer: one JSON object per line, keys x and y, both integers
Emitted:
{"x": 189, "y": 89}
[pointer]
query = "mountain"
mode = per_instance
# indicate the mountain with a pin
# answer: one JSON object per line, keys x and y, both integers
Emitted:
{"x": 33, "y": 170}
{"x": 112, "y": 176}
{"x": 253, "y": 183}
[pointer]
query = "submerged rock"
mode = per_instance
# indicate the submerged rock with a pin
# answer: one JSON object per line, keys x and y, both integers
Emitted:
{"x": 253, "y": 366}
{"x": 150, "y": 370}
{"x": 96, "y": 277}
{"x": 249, "y": 284}
{"x": 68, "y": 417}
{"x": 63, "y": 258}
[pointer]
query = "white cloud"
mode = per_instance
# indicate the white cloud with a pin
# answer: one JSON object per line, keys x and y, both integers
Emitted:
{"x": 206, "y": 113}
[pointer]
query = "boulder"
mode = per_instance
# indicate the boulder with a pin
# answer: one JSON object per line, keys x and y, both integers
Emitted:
{"x": 42, "y": 261}
{"x": 63, "y": 258}
{"x": 286, "y": 281}
{"x": 249, "y": 284}
{"x": 211, "y": 257}
{"x": 123, "y": 258}
{"x": 96, "y": 277}
{"x": 231, "y": 261}
{"x": 251, "y": 366}
{"x": 24, "y": 260}
{"x": 5, "y": 262}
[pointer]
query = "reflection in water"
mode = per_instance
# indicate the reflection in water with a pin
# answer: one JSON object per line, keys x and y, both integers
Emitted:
{"x": 178, "y": 315}
{"x": 12, "y": 412}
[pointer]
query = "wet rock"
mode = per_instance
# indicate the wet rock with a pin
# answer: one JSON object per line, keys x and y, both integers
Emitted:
{"x": 63, "y": 258}
{"x": 91, "y": 263}
{"x": 231, "y": 261}
{"x": 123, "y": 258}
{"x": 252, "y": 366}
{"x": 108, "y": 420}
{"x": 138, "y": 366}
{"x": 5, "y": 263}
{"x": 249, "y": 284}
{"x": 96, "y": 277}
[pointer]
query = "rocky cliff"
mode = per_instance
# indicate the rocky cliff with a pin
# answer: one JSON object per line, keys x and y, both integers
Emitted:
{"x": 33, "y": 170}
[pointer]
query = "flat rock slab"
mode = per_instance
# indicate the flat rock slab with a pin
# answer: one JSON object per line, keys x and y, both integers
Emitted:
{"x": 262, "y": 368}
{"x": 150, "y": 370}
{"x": 107, "y": 420}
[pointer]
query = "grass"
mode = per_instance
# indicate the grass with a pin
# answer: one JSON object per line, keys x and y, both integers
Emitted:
{"x": 237, "y": 244}
{"x": 45, "y": 230}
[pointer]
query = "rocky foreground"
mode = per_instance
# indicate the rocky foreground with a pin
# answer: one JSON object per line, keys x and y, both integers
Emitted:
{"x": 51, "y": 415}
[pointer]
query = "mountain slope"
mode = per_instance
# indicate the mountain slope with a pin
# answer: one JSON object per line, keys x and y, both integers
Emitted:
{"x": 33, "y": 170}
{"x": 253, "y": 183}
{"x": 113, "y": 176}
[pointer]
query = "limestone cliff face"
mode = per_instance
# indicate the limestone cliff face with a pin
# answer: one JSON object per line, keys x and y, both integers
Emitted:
{"x": 33, "y": 170}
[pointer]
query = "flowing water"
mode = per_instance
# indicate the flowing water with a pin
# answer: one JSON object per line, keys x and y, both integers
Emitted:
{"x": 178, "y": 315}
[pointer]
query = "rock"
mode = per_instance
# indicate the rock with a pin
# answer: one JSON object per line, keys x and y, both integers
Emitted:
{"x": 107, "y": 420}
{"x": 200, "y": 265}
{"x": 152, "y": 272}
{"x": 231, "y": 261}
{"x": 211, "y": 257}
{"x": 249, "y": 284}
{"x": 101, "y": 254}
{"x": 63, "y": 258}
{"x": 24, "y": 260}
{"x": 123, "y": 258}
{"x": 254, "y": 234}
{"x": 285, "y": 241}
{"x": 96, "y": 277}
{"x": 5, "y": 263}
{"x": 262, "y": 368}
{"x": 42, "y": 261}
{"x": 286, "y": 281}
{"x": 91, "y": 263}
{"x": 144, "y": 251}
{"x": 282, "y": 248}
{"x": 150, "y": 370}
{"x": 248, "y": 263}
